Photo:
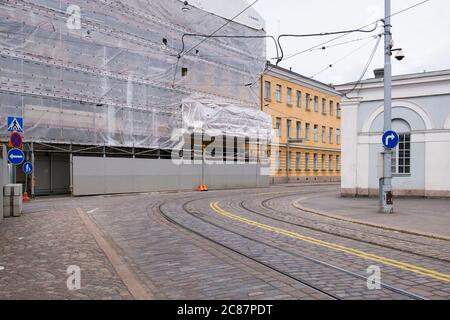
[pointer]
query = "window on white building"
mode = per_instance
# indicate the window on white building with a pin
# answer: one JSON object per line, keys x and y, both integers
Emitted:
{"x": 401, "y": 157}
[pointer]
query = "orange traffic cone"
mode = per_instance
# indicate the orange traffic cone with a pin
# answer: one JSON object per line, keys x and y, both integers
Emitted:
{"x": 202, "y": 188}
{"x": 25, "y": 197}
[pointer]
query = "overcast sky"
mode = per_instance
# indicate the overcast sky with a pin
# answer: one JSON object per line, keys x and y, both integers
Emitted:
{"x": 422, "y": 32}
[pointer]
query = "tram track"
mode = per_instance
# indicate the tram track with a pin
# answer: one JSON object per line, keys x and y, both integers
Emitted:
{"x": 308, "y": 284}
{"x": 242, "y": 204}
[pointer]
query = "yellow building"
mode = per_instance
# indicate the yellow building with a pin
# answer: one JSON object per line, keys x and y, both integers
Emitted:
{"x": 308, "y": 112}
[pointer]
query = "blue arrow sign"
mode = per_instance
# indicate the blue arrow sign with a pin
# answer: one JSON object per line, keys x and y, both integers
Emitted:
{"x": 27, "y": 168}
{"x": 15, "y": 124}
{"x": 390, "y": 139}
{"x": 16, "y": 156}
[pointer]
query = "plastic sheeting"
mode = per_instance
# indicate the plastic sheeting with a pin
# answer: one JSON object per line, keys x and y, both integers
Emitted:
{"x": 215, "y": 119}
{"x": 117, "y": 80}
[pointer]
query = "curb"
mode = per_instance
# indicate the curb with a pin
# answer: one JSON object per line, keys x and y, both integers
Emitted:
{"x": 120, "y": 266}
{"x": 299, "y": 206}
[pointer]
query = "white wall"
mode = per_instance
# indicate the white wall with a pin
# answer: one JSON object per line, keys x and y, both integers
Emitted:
{"x": 93, "y": 176}
{"x": 349, "y": 127}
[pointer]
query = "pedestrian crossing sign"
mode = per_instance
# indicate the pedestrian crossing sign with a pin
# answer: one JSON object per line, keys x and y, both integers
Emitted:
{"x": 15, "y": 124}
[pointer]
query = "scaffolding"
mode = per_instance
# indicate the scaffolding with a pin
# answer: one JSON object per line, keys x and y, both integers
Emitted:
{"x": 109, "y": 73}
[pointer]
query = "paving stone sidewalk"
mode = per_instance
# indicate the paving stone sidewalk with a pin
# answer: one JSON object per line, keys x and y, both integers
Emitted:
{"x": 420, "y": 215}
{"x": 36, "y": 250}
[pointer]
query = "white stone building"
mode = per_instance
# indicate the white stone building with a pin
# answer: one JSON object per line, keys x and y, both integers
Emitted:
{"x": 421, "y": 116}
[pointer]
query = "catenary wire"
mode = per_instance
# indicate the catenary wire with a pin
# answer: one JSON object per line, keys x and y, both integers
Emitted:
{"x": 343, "y": 35}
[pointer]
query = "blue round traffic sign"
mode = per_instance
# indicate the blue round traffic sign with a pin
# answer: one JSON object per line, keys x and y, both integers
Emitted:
{"x": 27, "y": 168}
{"x": 16, "y": 156}
{"x": 390, "y": 139}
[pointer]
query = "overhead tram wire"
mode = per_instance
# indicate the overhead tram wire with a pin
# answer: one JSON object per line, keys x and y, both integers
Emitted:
{"x": 365, "y": 69}
{"x": 346, "y": 56}
{"x": 181, "y": 54}
{"x": 321, "y": 46}
{"x": 345, "y": 34}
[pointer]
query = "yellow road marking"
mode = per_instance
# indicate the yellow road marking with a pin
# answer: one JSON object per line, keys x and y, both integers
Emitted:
{"x": 361, "y": 254}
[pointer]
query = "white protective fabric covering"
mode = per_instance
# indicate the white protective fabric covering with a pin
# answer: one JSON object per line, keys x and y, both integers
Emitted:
{"x": 114, "y": 81}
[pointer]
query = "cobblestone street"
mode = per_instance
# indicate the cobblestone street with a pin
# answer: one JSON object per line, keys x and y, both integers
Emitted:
{"x": 239, "y": 244}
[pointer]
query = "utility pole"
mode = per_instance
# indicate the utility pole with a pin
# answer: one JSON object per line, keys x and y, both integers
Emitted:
{"x": 386, "y": 197}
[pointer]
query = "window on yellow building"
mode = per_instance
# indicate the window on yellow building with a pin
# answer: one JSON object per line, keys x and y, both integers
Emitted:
{"x": 338, "y": 136}
{"x": 324, "y": 134}
{"x": 331, "y": 136}
{"x": 323, "y": 162}
{"x": 289, "y": 96}
{"x": 267, "y": 90}
{"x": 298, "y": 160}
{"x": 338, "y": 110}
{"x": 307, "y": 127}
{"x": 331, "y": 108}
{"x": 316, "y": 104}
{"x": 324, "y": 106}
{"x": 278, "y": 126}
{"x": 330, "y": 162}
{"x": 288, "y": 160}
{"x": 307, "y": 101}
{"x": 288, "y": 128}
{"x": 277, "y": 160}
{"x": 316, "y": 133}
{"x": 338, "y": 163}
{"x": 278, "y": 93}
{"x": 299, "y": 99}
{"x": 299, "y": 129}
{"x": 316, "y": 161}
{"x": 306, "y": 161}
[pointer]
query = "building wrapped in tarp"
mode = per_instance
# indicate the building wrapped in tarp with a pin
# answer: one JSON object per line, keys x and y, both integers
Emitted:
{"x": 109, "y": 73}
{"x": 126, "y": 75}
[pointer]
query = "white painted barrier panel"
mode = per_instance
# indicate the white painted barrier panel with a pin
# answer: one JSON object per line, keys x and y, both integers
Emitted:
{"x": 95, "y": 176}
